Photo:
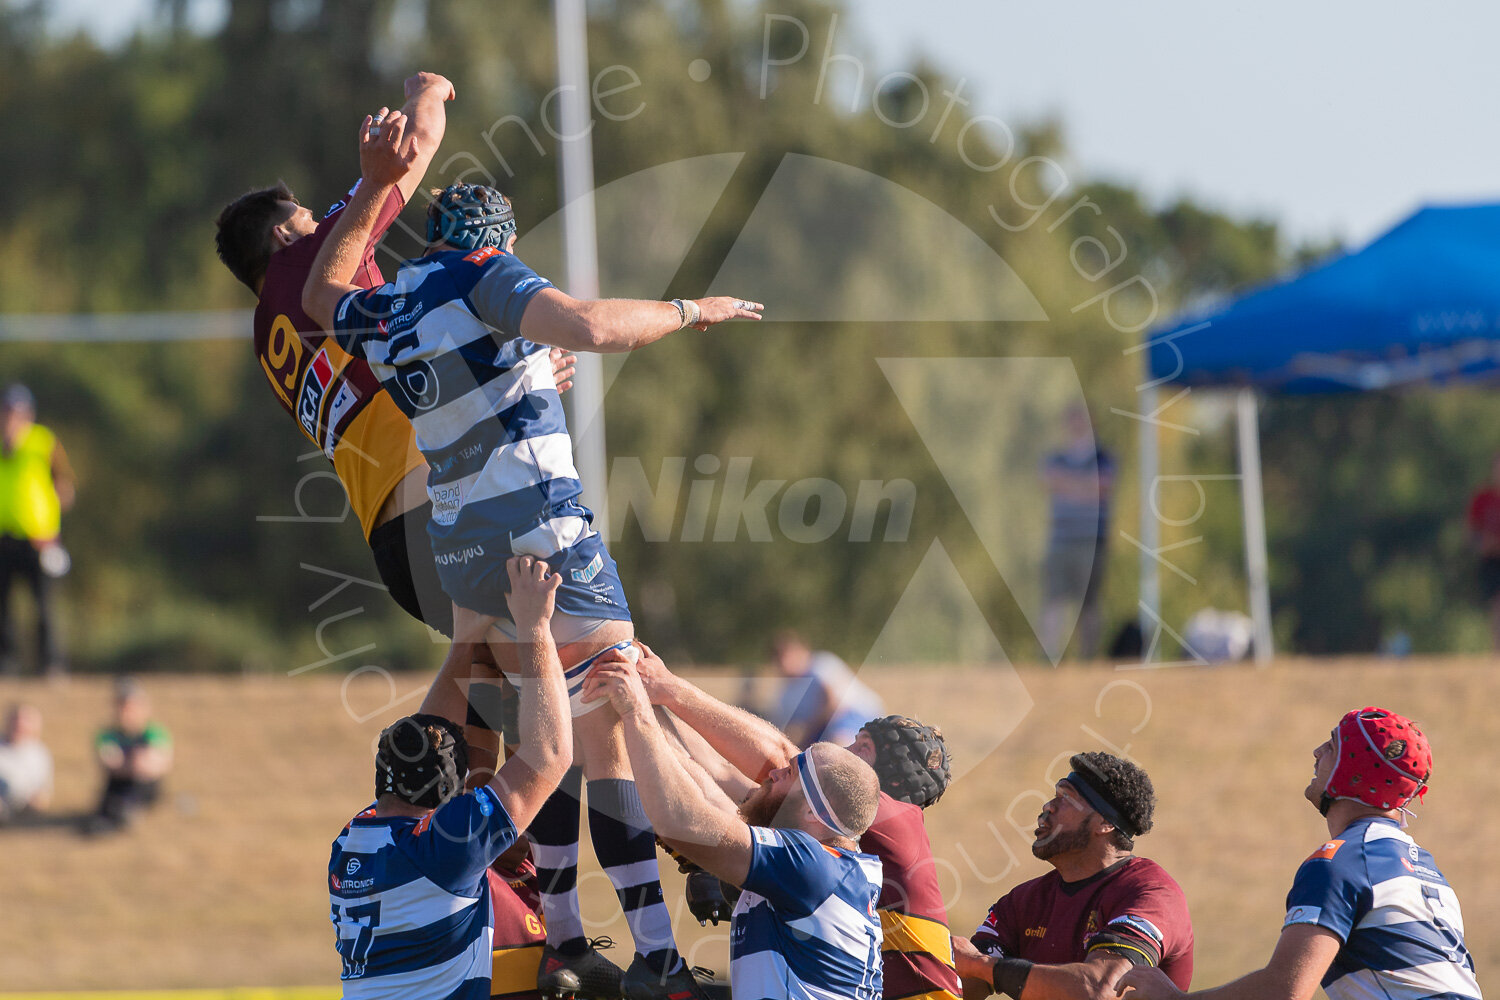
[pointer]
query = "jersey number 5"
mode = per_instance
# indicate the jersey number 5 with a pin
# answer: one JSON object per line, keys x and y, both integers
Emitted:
{"x": 362, "y": 920}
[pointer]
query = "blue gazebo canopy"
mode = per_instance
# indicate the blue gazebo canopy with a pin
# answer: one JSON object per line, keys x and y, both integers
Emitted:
{"x": 1420, "y": 304}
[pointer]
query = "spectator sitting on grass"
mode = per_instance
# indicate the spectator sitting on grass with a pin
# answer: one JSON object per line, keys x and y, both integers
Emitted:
{"x": 136, "y": 753}
{"x": 821, "y": 699}
{"x": 25, "y": 764}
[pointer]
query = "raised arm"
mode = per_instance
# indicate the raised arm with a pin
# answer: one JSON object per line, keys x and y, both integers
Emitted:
{"x": 744, "y": 739}
{"x": 545, "y": 750}
{"x": 385, "y": 156}
{"x": 427, "y": 119}
{"x": 711, "y": 834}
{"x": 606, "y": 326}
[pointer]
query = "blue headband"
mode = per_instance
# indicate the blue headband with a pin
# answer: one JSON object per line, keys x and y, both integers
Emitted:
{"x": 1100, "y": 804}
{"x": 807, "y": 774}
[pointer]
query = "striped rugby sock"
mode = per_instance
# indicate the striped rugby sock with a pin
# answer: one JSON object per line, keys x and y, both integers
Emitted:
{"x": 554, "y": 844}
{"x": 626, "y": 847}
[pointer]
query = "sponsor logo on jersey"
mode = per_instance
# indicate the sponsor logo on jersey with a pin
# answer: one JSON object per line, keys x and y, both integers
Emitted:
{"x": 1422, "y": 871}
{"x": 482, "y": 254}
{"x": 1327, "y": 851}
{"x": 460, "y": 557}
{"x": 343, "y": 402}
{"x": 400, "y": 320}
{"x": 587, "y": 574}
{"x": 352, "y": 867}
{"x": 337, "y": 206}
{"x": 1035, "y": 932}
{"x": 763, "y": 836}
{"x": 446, "y": 502}
{"x": 319, "y": 376}
{"x": 334, "y": 883}
{"x": 527, "y": 284}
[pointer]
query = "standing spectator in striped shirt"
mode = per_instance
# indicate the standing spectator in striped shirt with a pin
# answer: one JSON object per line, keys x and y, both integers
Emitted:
{"x": 459, "y": 340}
{"x": 408, "y": 878}
{"x": 1369, "y": 915}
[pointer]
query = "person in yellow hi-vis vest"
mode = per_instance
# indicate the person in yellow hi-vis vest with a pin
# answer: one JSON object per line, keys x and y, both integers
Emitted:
{"x": 36, "y": 486}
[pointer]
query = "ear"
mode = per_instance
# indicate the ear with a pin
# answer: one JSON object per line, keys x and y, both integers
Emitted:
{"x": 283, "y": 236}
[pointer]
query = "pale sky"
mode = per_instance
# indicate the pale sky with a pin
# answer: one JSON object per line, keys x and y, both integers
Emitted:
{"x": 1333, "y": 117}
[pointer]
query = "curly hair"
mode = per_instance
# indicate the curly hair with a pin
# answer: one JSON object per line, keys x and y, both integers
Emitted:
{"x": 1124, "y": 786}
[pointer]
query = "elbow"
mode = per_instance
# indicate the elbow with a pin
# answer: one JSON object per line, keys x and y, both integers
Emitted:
{"x": 558, "y": 755}
{"x": 594, "y": 337}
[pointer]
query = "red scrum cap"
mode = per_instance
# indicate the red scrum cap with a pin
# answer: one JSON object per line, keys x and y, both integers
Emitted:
{"x": 1383, "y": 760}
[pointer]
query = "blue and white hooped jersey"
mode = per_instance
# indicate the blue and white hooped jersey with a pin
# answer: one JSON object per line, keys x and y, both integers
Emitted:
{"x": 1400, "y": 923}
{"x": 411, "y": 903}
{"x": 806, "y": 927}
{"x": 484, "y": 405}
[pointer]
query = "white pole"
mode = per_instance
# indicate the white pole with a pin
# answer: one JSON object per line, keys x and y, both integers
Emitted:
{"x": 580, "y": 246}
{"x": 1252, "y": 494}
{"x": 1150, "y": 463}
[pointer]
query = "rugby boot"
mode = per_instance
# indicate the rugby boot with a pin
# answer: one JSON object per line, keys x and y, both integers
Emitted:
{"x": 642, "y": 982}
{"x": 585, "y": 976}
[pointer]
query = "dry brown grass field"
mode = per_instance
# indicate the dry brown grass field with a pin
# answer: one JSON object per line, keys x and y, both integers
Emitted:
{"x": 223, "y": 885}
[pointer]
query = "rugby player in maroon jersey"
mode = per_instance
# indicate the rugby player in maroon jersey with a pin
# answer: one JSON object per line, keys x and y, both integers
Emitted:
{"x": 269, "y": 241}
{"x": 1072, "y": 933}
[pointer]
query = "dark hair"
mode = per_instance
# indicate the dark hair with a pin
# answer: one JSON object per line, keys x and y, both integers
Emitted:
{"x": 911, "y": 760}
{"x": 244, "y": 236}
{"x": 1124, "y": 786}
{"x": 422, "y": 760}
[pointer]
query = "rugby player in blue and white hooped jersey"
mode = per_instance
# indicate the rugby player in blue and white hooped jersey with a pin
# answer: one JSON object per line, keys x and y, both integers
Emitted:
{"x": 410, "y": 898}
{"x": 806, "y": 926}
{"x": 1370, "y": 916}
{"x": 459, "y": 339}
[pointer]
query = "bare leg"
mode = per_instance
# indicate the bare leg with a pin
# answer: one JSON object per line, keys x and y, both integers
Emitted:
{"x": 469, "y": 662}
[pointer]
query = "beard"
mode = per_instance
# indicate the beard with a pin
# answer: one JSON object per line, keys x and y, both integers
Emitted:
{"x": 762, "y": 807}
{"x": 1049, "y": 846}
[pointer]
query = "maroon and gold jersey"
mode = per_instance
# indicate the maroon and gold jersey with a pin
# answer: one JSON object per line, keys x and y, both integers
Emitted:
{"x": 917, "y": 956}
{"x": 334, "y": 397}
{"x": 519, "y": 932}
{"x": 1133, "y": 908}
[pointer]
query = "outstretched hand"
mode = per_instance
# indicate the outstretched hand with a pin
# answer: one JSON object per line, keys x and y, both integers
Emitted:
{"x": 656, "y": 679}
{"x": 723, "y": 308}
{"x": 613, "y": 676}
{"x": 386, "y": 152}
{"x": 533, "y": 593}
